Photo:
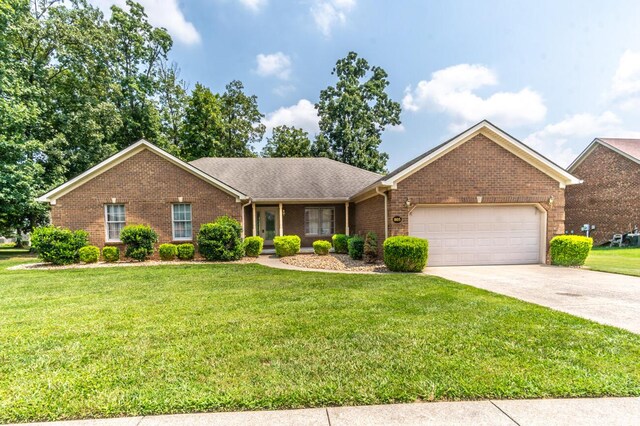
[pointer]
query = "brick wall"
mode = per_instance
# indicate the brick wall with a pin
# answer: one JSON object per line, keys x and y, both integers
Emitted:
{"x": 608, "y": 198}
{"x": 479, "y": 167}
{"x": 369, "y": 217}
{"x": 147, "y": 185}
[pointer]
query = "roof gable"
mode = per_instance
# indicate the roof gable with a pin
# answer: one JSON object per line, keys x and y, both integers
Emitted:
{"x": 125, "y": 154}
{"x": 498, "y": 136}
{"x": 628, "y": 148}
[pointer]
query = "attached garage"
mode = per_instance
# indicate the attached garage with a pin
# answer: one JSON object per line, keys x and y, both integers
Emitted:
{"x": 480, "y": 235}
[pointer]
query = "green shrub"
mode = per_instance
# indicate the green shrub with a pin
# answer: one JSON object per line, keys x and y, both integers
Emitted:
{"x": 139, "y": 240}
{"x": 89, "y": 254}
{"x": 356, "y": 247}
{"x": 253, "y": 246}
{"x": 58, "y": 245}
{"x": 405, "y": 254}
{"x": 340, "y": 243}
{"x": 186, "y": 251}
{"x": 570, "y": 250}
{"x": 321, "y": 247}
{"x": 370, "y": 247}
{"x": 111, "y": 254}
{"x": 287, "y": 245}
{"x": 168, "y": 251}
{"x": 220, "y": 240}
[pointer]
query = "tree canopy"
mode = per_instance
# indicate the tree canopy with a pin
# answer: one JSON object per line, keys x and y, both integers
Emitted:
{"x": 286, "y": 141}
{"x": 354, "y": 113}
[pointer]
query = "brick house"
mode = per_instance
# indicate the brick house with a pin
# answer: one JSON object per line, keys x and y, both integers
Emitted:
{"x": 481, "y": 197}
{"x": 608, "y": 196}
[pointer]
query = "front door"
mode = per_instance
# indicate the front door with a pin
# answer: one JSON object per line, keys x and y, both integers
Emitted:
{"x": 267, "y": 223}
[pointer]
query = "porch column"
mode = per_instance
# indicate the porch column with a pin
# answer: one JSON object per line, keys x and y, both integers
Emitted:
{"x": 253, "y": 220}
{"x": 346, "y": 219}
{"x": 281, "y": 222}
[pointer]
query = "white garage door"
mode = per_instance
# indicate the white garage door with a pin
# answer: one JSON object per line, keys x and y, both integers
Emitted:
{"x": 479, "y": 235}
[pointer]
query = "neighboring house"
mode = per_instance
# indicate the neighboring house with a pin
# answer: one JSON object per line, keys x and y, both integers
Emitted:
{"x": 609, "y": 197}
{"x": 482, "y": 197}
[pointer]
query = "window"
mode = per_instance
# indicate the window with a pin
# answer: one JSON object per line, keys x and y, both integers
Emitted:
{"x": 319, "y": 221}
{"x": 181, "y": 221}
{"x": 115, "y": 221}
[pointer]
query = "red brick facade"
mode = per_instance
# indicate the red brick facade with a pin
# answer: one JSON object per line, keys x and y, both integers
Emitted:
{"x": 608, "y": 198}
{"x": 478, "y": 168}
{"x": 370, "y": 218}
{"x": 147, "y": 185}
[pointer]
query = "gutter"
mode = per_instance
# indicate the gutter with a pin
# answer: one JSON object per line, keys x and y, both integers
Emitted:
{"x": 386, "y": 212}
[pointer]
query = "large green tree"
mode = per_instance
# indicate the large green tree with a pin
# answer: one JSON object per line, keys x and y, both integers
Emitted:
{"x": 354, "y": 113}
{"x": 287, "y": 141}
{"x": 242, "y": 122}
{"x": 202, "y": 125}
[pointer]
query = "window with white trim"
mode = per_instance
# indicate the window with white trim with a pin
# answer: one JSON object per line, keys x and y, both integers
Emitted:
{"x": 319, "y": 220}
{"x": 114, "y": 216}
{"x": 182, "y": 229}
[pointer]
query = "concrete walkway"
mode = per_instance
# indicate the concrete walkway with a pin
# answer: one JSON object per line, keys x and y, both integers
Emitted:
{"x": 587, "y": 411}
{"x": 611, "y": 299}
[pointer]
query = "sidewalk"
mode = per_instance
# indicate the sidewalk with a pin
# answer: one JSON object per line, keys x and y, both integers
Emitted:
{"x": 585, "y": 411}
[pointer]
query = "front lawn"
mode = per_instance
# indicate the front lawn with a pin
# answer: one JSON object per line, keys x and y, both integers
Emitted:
{"x": 167, "y": 339}
{"x": 617, "y": 260}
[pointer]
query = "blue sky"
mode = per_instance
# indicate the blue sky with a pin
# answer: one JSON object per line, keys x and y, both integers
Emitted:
{"x": 554, "y": 74}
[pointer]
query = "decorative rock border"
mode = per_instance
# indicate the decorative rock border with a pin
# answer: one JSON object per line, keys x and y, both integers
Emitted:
{"x": 333, "y": 262}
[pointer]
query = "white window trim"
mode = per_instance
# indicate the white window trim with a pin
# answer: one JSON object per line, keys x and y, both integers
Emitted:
{"x": 106, "y": 222}
{"x": 173, "y": 228}
{"x": 304, "y": 224}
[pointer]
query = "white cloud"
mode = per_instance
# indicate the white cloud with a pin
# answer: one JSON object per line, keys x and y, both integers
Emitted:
{"x": 555, "y": 140}
{"x": 451, "y": 90}
{"x": 275, "y": 64}
{"x": 254, "y": 5}
{"x": 303, "y": 115}
{"x": 161, "y": 13}
{"x": 626, "y": 80}
{"x": 329, "y": 13}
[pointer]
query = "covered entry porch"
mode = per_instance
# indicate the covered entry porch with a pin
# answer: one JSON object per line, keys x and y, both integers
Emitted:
{"x": 310, "y": 221}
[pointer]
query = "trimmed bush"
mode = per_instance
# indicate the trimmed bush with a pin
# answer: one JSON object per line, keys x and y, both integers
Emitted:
{"x": 220, "y": 240}
{"x": 111, "y": 254}
{"x": 405, "y": 254}
{"x": 570, "y": 250}
{"x": 321, "y": 247}
{"x": 58, "y": 245}
{"x": 356, "y": 247}
{"x": 287, "y": 245}
{"x": 340, "y": 243}
{"x": 253, "y": 246}
{"x": 370, "y": 247}
{"x": 186, "y": 251}
{"x": 89, "y": 254}
{"x": 168, "y": 251}
{"x": 139, "y": 240}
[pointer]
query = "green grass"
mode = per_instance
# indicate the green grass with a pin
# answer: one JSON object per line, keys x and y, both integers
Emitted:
{"x": 168, "y": 339}
{"x": 617, "y": 260}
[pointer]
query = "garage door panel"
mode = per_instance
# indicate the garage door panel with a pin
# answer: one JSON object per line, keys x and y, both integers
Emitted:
{"x": 477, "y": 235}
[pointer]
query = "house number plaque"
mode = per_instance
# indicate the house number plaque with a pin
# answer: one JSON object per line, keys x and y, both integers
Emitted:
{"x": 397, "y": 219}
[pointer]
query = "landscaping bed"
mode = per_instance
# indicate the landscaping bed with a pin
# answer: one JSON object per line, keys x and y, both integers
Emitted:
{"x": 333, "y": 262}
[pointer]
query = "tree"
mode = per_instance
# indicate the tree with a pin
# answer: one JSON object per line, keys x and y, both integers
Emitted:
{"x": 173, "y": 100}
{"x": 202, "y": 125}
{"x": 242, "y": 122}
{"x": 287, "y": 141}
{"x": 353, "y": 113}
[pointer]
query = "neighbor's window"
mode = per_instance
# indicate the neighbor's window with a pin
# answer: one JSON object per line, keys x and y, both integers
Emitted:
{"x": 319, "y": 220}
{"x": 181, "y": 221}
{"x": 115, "y": 221}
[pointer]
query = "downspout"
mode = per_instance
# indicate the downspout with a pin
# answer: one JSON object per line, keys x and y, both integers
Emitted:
{"x": 243, "y": 213}
{"x": 386, "y": 213}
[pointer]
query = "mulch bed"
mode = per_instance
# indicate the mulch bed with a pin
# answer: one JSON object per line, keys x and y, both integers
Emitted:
{"x": 334, "y": 262}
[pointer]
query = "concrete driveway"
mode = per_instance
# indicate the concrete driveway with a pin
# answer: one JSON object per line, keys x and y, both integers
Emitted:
{"x": 606, "y": 298}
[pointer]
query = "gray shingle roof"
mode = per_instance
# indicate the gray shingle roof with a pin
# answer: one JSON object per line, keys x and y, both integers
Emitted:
{"x": 630, "y": 147}
{"x": 288, "y": 178}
